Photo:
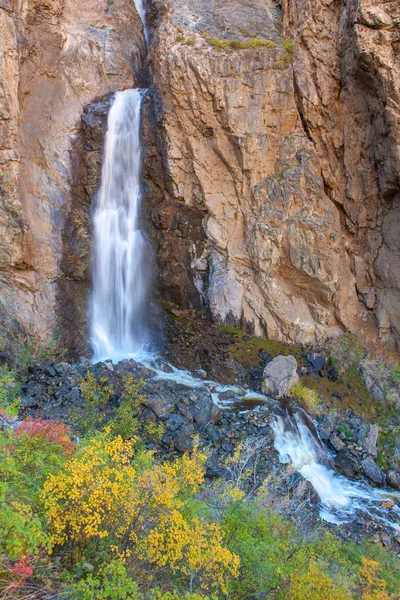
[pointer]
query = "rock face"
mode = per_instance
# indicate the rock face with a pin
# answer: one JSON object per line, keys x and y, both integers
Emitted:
{"x": 289, "y": 159}
{"x": 56, "y": 57}
{"x": 271, "y": 160}
{"x": 279, "y": 375}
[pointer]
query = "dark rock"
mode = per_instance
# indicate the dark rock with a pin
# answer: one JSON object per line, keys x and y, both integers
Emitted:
{"x": 183, "y": 440}
{"x": 317, "y": 360}
{"x": 373, "y": 472}
{"x": 5, "y": 359}
{"x": 264, "y": 356}
{"x": 393, "y": 478}
{"x": 162, "y": 406}
{"x": 333, "y": 373}
{"x": 214, "y": 434}
{"x": 29, "y": 402}
{"x": 174, "y": 422}
{"x": 346, "y": 463}
{"x": 337, "y": 395}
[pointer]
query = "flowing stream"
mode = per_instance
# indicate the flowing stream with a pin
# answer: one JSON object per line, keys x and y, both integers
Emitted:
{"x": 117, "y": 315}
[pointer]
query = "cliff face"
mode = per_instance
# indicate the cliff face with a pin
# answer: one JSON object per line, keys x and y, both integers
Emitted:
{"x": 56, "y": 57}
{"x": 291, "y": 163}
{"x": 271, "y": 169}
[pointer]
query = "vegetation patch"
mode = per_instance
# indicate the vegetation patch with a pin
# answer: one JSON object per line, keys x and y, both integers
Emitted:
{"x": 246, "y": 349}
{"x": 252, "y": 43}
{"x": 308, "y": 398}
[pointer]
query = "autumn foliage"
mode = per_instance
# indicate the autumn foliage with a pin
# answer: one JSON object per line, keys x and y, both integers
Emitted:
{"x": 50, "y": 432}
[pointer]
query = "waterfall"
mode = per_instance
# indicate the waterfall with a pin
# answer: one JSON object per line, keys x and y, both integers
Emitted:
{"x": 119, "y": 253}
{"x": 141, "y": 9}
{"x": 341, "y": 500}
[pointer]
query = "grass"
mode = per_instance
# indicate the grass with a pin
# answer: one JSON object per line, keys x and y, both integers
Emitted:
{"x": 308, "y": 398}
{"x": 219, "y": 44}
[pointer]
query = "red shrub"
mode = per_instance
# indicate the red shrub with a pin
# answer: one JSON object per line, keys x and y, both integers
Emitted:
{"x": 23, "y": 568}
{"x": 54, "y": 432}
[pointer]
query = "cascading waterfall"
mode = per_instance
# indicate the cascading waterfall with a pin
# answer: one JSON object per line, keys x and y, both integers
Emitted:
{"x": 120, "y": 276}
{"x": 341, "y": 500}
{"x": 119, "y": 258}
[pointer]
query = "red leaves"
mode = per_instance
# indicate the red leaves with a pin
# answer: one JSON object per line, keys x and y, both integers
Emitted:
{"x": 54, "y": 432}
{"x": 23, "y": 568}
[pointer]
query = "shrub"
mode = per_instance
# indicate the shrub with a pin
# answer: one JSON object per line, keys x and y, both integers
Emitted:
{"x": 109, "y": 500}
{"x": 219, "y": 44}
{"x": 47, "y": 432}
{"x": 308, "y": 398}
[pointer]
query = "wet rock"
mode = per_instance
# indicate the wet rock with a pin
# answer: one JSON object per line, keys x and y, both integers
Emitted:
{"x": 346, "y": 463}
{"x": 279, "y": 375}
{"x": 373, "y": 472}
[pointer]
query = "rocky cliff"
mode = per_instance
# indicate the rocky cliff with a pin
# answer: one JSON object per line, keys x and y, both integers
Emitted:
{"x": 56, "y": 57}
{"x": 286, "y": 152}
{"x": 271, "y": 160}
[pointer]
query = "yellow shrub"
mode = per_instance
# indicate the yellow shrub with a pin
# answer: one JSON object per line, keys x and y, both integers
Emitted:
{"x": 314, "y": 584}
{"x": 372, "y": 586}
{"x": 308, "y": 398}
{"x": 109, "y": 494}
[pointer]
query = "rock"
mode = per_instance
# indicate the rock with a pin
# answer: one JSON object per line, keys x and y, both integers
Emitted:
{"x": 44, "y": 225}
{"x": 337, "y": 395}
{"x": 174, "y": 422}
{"x": 368, "y": 437}
{"x": 373, "y": 472}
{"x": 162, "y": 406}
{"x": 337, "y": 443}
{"x": 393, "y": 478}
{"x": 279, "y": 375}
{"x": 333, "y": 373}
{"x": 183, "y": 439}
{"x": 386, "y": 541}
{"x": 317, "y": 360}
{"x": 346, "y": 463}
{"x": 29, "y": 402}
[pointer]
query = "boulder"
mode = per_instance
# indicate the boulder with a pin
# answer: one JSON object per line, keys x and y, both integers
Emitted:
{"x": 373, "y": 472}
{"x": 368, "y": 437}
{"x": 279, "y": 375}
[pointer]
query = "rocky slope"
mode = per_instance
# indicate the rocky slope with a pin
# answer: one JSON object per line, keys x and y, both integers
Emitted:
{"x": 289, "y": 160}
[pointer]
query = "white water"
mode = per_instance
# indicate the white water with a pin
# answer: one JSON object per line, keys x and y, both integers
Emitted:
{"x": 119, "y": 257}
{"x": 341, "y": 499}
{"x": 140, "y": 7}
{"x": 118, "y": 331}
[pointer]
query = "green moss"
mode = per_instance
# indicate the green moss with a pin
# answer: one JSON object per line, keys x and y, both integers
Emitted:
{"x": 342, "y": 429}
{"x": 219, "y": 44}
{"x": 247, "y": 350}
{"x": 189, "y": 42}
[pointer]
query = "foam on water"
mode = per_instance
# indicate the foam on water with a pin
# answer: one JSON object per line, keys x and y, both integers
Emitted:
{"x": 341, "y": 499}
